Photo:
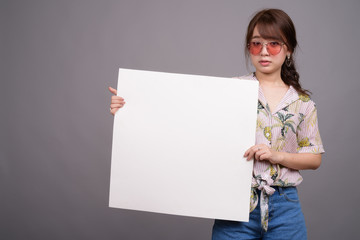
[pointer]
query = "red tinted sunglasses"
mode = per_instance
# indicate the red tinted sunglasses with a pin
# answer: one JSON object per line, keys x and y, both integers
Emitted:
{"x": 273, "y": 47}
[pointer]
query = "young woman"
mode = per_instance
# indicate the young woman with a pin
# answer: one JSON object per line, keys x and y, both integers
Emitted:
{"x": 287, "y": 135}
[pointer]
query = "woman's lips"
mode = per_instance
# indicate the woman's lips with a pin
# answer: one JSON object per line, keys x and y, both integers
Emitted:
{"x": 264, "y": 63}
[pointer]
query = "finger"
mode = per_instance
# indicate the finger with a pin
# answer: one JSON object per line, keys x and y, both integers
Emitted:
{"x": 265, "y": 156}
{"x": 117, "y": 97}
{"x": 251, "y": 154}
{"x": 117, "y": 101}
{"x": 259, "y": 153}
{"x": 255, "y": 151}
{"x": 253, "y": 148}
{"x": 246, "y": 152}
{"x": 256, "y": 155}
{"x": 116, "y": 105}
{"x": 113, "y": 90}
{"x": 113, "y": 110}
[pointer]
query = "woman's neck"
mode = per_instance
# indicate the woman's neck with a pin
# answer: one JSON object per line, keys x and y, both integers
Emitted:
{"x": 273, "y": 80}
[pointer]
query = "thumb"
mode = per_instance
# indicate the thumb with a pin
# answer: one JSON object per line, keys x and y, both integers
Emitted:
{"x": 113, "y": 90}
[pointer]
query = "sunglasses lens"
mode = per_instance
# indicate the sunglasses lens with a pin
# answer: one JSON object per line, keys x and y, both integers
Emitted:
{"x": 255, "y": 47}
{"x": 274, "y": 48}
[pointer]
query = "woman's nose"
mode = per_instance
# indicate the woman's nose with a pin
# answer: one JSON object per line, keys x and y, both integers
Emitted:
{"x": 264, "y": 51}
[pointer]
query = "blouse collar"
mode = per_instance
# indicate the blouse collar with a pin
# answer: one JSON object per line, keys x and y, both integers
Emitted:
{"x": 290, "y": 97}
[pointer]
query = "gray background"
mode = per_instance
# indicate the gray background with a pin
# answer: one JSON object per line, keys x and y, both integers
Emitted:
{"x": 57, "y": 59}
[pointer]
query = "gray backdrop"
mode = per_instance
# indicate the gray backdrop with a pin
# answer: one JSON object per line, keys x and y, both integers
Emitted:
{"x": 59, "y": 57}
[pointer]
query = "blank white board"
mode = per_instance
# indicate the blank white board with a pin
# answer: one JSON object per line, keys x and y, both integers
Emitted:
{"x": 178, "y": 144}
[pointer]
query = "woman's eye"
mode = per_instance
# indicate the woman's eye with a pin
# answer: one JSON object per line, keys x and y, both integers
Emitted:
{"x": 256, "y": 44}
{"x": 274, "y": 44}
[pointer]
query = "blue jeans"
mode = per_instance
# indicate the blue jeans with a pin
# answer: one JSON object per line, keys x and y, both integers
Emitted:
{"x": 286, "y": 220}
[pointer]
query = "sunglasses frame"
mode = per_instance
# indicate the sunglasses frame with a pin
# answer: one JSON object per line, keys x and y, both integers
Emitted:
{"x": 267, "y": 48}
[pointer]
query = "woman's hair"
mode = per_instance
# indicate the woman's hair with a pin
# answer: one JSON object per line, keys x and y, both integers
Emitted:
{"x": 276, "y": 24}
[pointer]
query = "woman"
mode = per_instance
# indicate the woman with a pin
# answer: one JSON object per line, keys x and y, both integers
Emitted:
{"x": 287, "y": 135}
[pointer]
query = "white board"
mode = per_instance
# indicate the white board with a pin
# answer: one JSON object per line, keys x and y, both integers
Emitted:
{"x": 178, "y": 144}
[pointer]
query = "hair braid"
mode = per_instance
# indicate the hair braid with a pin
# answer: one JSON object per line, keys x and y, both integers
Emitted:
{"x": 291, "y": 77}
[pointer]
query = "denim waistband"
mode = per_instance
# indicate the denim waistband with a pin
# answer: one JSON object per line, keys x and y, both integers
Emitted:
{"x": 282, "y": 189}
{"x": 279, "y": 189}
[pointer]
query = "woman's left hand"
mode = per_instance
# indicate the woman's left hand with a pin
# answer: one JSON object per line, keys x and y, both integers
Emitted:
{"x": 262, "y": 152}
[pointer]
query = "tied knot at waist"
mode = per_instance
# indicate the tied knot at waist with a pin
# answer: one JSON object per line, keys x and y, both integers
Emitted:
{"x": 264, "y": 185}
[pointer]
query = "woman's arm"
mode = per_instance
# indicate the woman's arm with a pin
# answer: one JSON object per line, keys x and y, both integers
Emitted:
{"x": 298, "y": 161}
{"x": 301, "y": 161}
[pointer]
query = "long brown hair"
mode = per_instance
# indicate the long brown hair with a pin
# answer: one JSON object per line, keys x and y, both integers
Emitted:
{"x": 276, "y": 24}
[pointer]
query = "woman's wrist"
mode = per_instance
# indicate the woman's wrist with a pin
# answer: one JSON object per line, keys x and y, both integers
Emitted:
{"x": 281, "y": 157}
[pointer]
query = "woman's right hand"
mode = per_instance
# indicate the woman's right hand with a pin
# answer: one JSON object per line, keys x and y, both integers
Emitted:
{"x": 116, "y": 101}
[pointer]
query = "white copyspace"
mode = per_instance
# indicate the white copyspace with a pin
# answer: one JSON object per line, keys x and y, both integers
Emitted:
{"x": 178, "y": 144}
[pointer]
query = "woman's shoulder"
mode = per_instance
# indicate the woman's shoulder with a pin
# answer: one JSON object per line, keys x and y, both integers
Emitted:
{"x": 307, "y": 104}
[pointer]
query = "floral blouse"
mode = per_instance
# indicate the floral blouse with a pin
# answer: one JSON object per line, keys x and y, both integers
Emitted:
{"x": 292, "y": 128}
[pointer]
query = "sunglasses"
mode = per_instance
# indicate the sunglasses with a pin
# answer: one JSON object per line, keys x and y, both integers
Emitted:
{"x": 273, "y": 47}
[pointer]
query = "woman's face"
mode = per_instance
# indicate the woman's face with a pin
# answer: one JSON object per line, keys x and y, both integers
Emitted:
{"x": 265, "y": 62}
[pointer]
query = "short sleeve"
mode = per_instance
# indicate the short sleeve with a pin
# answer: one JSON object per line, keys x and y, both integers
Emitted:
{"x": 308, "y": 135}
